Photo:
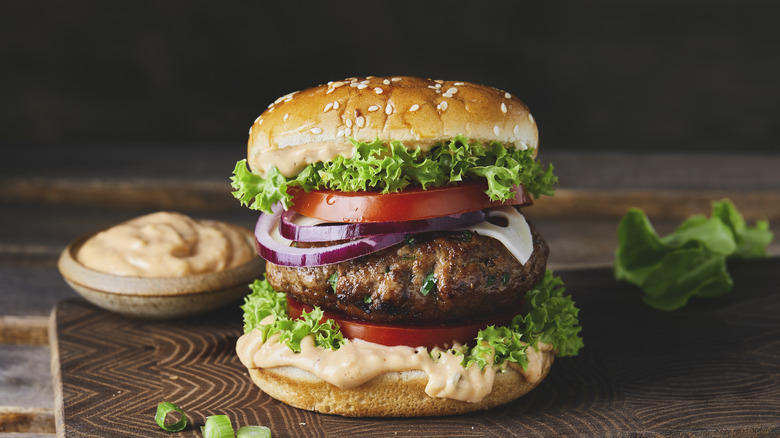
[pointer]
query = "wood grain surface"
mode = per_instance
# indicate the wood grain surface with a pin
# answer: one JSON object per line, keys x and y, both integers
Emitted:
{"x": 711, "y": 369}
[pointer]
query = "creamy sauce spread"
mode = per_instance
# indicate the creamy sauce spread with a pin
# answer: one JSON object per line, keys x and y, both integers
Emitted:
{"x": 357, "y": 362}
{"x": 291, "y": 160}
{"x": 166, "y": 244}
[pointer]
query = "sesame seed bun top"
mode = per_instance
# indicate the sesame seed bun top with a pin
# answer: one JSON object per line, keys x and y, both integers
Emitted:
{"x": 315, "y": 124}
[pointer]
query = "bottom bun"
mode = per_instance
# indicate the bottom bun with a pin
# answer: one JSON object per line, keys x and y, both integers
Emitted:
{"x": 395, "y": 394}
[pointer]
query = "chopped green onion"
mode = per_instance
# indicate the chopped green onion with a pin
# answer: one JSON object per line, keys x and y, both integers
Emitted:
{"x": 333, "y": 280}
{"x": 218, "y": 426}
{"x": 505, "y": 278}
{"x": 165, "y": 408}
{"x": 429, "y": 284}
{"x": 254, "y": 432}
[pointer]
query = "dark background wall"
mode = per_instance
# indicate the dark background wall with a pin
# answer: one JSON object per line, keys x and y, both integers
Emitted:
{"x": 613, "y": 75}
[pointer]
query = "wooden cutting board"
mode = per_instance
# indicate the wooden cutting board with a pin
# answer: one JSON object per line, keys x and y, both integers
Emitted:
{"x": 711, "y": 369}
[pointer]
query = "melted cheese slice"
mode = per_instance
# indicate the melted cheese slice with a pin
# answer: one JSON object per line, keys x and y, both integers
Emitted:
{"x": 516, "y": 235}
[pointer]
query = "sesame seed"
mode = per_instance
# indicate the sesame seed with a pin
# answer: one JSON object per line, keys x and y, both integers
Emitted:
{"x": 349, "y": 123}
{"x": 361, "y": 121}
{"x": 340, "y": 133}
{"x": 386, "y": 82}
{"x": 444, "y": 105}
{"x": 496, "y": 130}
{"x": 336, "y": 105}
{"x": 328, "y": 107}
{"x": 365, "y": 81}
{"x": 438, "y": 84}
{"x": 458, "y": 84}
{"x": 516, "y": 130}
{"x": 414, "y": 107}
{"x": 431, "y": 87}
{"x": 286, "y": 116}
{"x": 258, "y": 118}
{"x": 260, "y": 122}
{"x": 452, "y": 90}
{"x": 316, "y": 130}
{"x": 439, "y": 81}
{"x": 330, "y": 90}
{"x": 507, "y": 95}
{"x": 503, "y": 107}
{"x": 373, "y": 108}
{"x": 338, "y": 84}
{"x": 362, "y": 86}
{"x": 250, "y": 130}
{"x": 388, "y": 109}
{"x": 523, "y": 146}
{"x": 446, "y": 94}
{"x": 348, "y": 131}
{"x": 531, "y": 118}
{"x": 378, "y": 90}
{"x": 395, "y": 79}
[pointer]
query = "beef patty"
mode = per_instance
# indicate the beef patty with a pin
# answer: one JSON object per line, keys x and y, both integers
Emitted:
{"x": 430, "y": 278}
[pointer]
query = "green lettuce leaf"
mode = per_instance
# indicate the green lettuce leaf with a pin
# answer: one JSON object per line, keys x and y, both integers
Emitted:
{"x": 551, "y": 318}
{"x": 390, "y": 167}
{"x": 265, "y": 301}
{"x": 689, "y": 262}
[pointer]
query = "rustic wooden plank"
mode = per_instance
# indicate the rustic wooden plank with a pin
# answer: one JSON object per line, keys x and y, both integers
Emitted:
{"x": 25, "y": 377}
{"x": 30, "y": 330}
{"x": 711, "y": 369}
{"x": 39, "y": 232}
{"x": 26, "y": 396}
{"x": 27, "y": 294}
{"x": 663, "y": 204}
{"x": 672, "y": 185}
{"x": 25, "y": 422}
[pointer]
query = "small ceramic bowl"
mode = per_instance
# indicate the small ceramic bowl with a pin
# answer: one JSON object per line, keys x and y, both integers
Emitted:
{"x": 158, "y": 298}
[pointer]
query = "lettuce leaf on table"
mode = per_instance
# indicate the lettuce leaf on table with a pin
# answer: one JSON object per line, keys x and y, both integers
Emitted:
{"x": 689, "y": 262}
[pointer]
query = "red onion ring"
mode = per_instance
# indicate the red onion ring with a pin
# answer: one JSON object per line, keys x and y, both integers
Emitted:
{"x": 327, "y": 233}
{"x": 280, "y": 254}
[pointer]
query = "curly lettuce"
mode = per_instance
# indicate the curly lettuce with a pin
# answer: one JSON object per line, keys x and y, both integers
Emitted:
{"x": 383, "y": 167}
{"x": 689, "y": 262}
{"x": 264, "y": 301}
{"x": 551, "y": 318}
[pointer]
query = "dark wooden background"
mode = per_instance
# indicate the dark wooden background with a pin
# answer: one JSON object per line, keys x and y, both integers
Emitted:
{"x": 614, "y": 75}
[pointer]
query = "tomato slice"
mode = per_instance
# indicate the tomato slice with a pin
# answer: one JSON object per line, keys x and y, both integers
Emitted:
{"x": 429, "y": 336}
{"x": 408, "y": 204}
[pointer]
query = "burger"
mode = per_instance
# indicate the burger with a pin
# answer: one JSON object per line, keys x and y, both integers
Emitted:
{"x": 402, "y": 278}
